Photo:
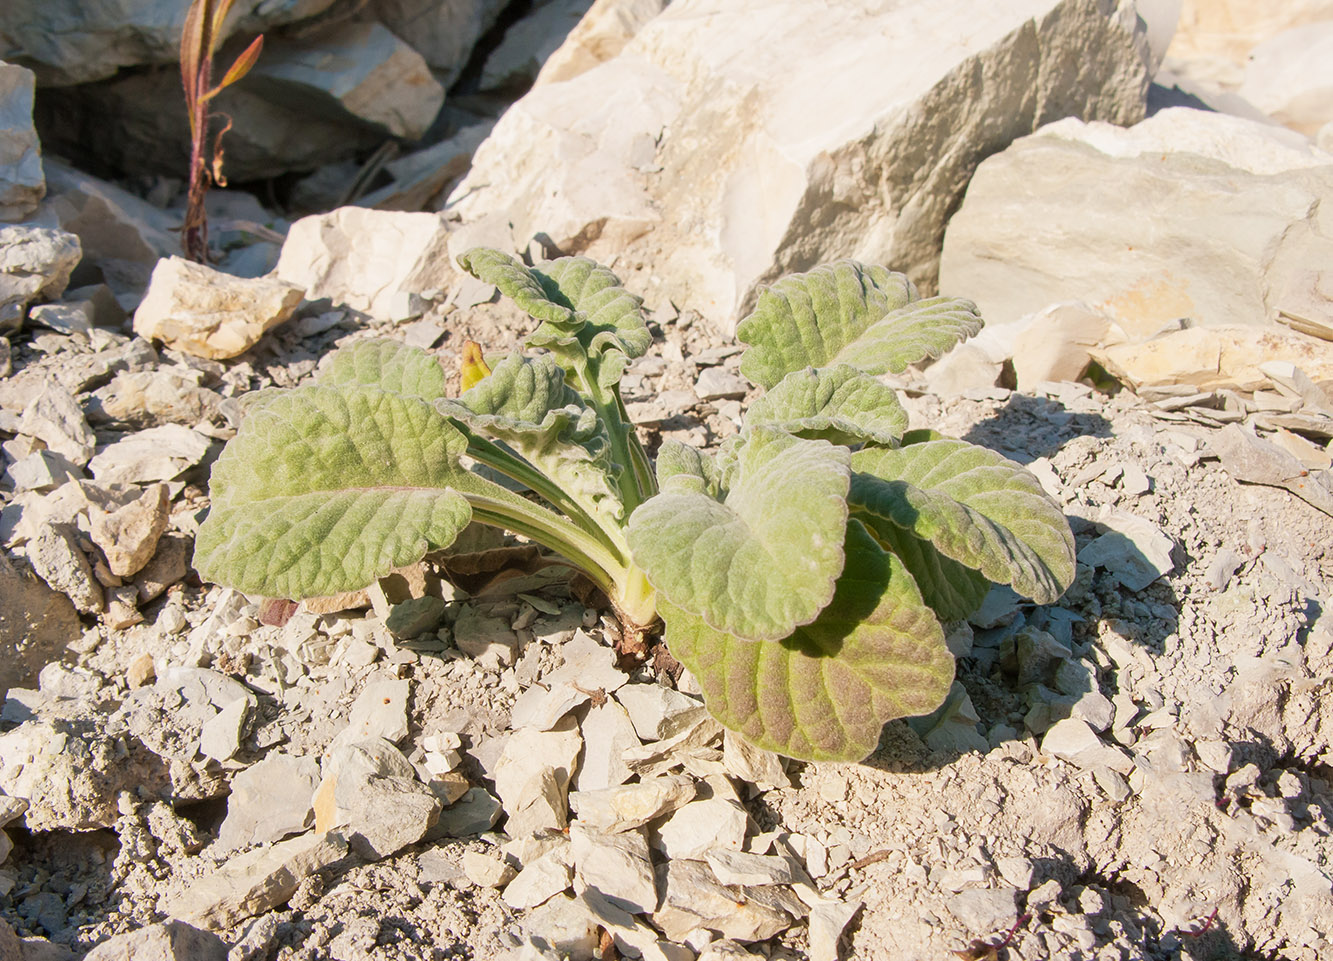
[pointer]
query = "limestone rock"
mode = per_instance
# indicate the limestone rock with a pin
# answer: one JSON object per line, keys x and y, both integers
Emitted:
{"x": 658, "y": 712}
{"x": 602, "y": 33}
{"x": 55, "y": 555}
{"x": 608, "y": 733}
{"x": 128, "y": 533}
{"x": 379, "y": 711}
{"x": 827, "y": 922}
{"x": 156, "y": 454}
{"x": 356, "y": 69}
{"x": 864, "y": 138}
{"x": 1059, "y": 216}
{"x": 1073, "y": 740}
{"x": 1289, "y": 77}
{"x": 486, "y": 870}
{"x": 419, "y": 178}
{"x": 532, "y": 777}
{"x": 254, "y": 882}
{"x": 617, "y": 865}
{"x": 22, "y": 183}
{"x": 529, "y": 42}
{"x": 442, "y": 31}
{"x": 149, "y": 398}
{"x": 712, "y": 824}
{"x": 1212, "y": 358}
{"x": 41, "y": 471}
{"x": 269, "y": 800}
{"x": 1132, "y": 548}
{"x": 364, "y": 259}
{"x": 1231, "y": 28}
{"x": 35, "y": 264}
{"x": 55, "y": 418}
{"x": 172, "y": 941}
{"x": 541, "y": 879}
{"x": 370, "y": 793}
{"x": 630, "y": 806}
{"x": 692, "y": 897}
{"x": 475, "y": 812}
{"x": 70, "y": 43}
{"x": 193, "y": 308}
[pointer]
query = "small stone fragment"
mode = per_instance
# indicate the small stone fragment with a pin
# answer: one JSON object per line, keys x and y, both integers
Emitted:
{"x": 740, "y": 868}
{"x": 172, "y": 941}
{"x": 532, "y": 777}
{"x": 156, "y": 454}
{"x": 1075, "y": 741}
{"x": 1133, "y": 550}
{"x": 566, "y": 925}
{"x": 713, "y": 824}
{"x": 220, "y": 736}
{"x": 255, "y": 882}
{"x": 486, "y": 870}
{"x": 488, "y": 640}
{"x": 657, "y": 711}
{"x": 370, "y": 793}
{"x": 541, "y": 879}
{"x": 630, "y": 806}
{"x": 42, "y": 470}
{"x": 475, "y": 812}
{"x": 749, "y": 763}
{"x": 983, "y": 910}
{"x": 128, "y": 534}
{"x": 55, "y": 556}
{"x": 55, "y": 418}
{"x": 827, "y": 922}
{"x": 617, "y": 865}
{"x": 168, "y": 566}
{"x": 380, "y": 711}
{"x": 608, "y": 733}
{"x": 692, "y": 897}
{"x": 269, "y": 800}
{"x": 718, "y": 383}
{"x": 206, "y": 313}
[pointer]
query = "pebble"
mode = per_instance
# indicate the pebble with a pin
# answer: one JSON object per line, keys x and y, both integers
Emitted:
{"x": 713, "y": 824}
{"x": 630, "y": 806}
{"x": 269, "y": 800}
{"x": 566, "y": 925}
{"x": 608, "y": 734}
{"x": 657, "y": 712}
{"x": 827, "y": 921}
{"x": 486, "y": 870}
{"x": 691, "y": 897}
{"x": 220, "y": 737}
{"x": 371, "y": 794}
{"x": 740, "y": 868}
{"x": 1133, "y": 550}
{"x": 1074, "y": 740}
{"x": 718, "y": 383}
{"x": 475, "y": 812}
{"x": 55, "y": 555}
{"x": 379, "y": 711}
{"x": 541, "y": 879}
{"x": 617, "y": 865}
{"x": 254, "y": 882}
{"x": 127, "y": 529}
{"x": 532, "y": 777}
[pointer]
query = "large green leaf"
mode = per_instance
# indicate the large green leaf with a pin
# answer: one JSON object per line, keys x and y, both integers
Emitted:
{"x": 388, "y": 365}
{"x": 839, "y": 404}
{"x": 526, "y": 404}
{"x": 974, "y": 506}
{"x": 325, "y": 489}
{"x": 519, "y": 283}
{"x": 950, "y": 589}
{"x": 764, "y": 558}
{"x": 849, "y": 313}
{"x": 876, "y": 652}
{"x": 577, "y": 300}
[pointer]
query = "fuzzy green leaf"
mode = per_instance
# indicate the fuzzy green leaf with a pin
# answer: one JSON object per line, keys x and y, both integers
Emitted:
{"x": 526, "y": 404}
{"x": 577, "y": 300}
{"x": 681, "y": 468}
{"x": 762, "y": 560}
{"x": 849, "y": 313}
{"x": 614, "y": 330}
{"x": 974, "y": 506}
{"x": 876, "y": 652}
{"x": 325, "y": 489}
{"x": 839, "y": 404}
{"x": 517, "y": 282}
{"x": 388, "y": 365}
{"x": 951, "y": 590}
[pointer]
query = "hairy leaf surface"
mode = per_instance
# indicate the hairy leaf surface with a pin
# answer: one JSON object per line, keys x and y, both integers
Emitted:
{"x": 974, "y": 506}
{"x": 765, "y": 558}
{"x": 525, "y": 403}
{"x": 950, "y": 589}
{"x": 839, "y": 404}
{"x": 325, "y": 489}
{"x": 388, "y": 365}
{"x": 876, "y": 652}
{"x": 517, "y": 282}
{"x": 849, "y": 313}
{"x": 685, "y": 469}
{"x": 576, "y": 299}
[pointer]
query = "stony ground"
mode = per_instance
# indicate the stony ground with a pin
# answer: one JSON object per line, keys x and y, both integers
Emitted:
{"x": 1144, "y": 770}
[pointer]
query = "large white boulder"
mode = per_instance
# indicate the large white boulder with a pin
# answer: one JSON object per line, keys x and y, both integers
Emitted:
{"x": 732, "y": 141}
{"x": 1187, "y": 215}
{"x": 21, "y": 181}
{"x": 442, "y": 31}
{"x": 1229, "y": 29}
{"x": 358, "y": 70}
{"x": 1290, "y": 77}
